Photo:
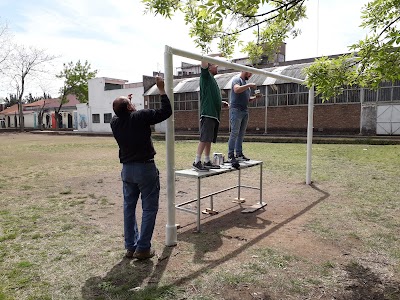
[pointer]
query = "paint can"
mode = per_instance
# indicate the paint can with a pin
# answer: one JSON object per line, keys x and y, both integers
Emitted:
{"x": 218, "y": 158}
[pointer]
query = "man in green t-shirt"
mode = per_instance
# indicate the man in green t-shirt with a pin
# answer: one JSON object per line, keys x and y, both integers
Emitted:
{"x": 210, "y": 111}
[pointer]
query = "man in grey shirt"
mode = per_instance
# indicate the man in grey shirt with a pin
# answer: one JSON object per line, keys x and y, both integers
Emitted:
{"x": 239, "y": 116}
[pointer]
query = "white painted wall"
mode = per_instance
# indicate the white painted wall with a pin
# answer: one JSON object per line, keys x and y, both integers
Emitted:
{"x": 83, "y": 113}
{"x": 100, "y": 102}
{"x": 29, "y": 119}
{"x": 13, "y": 124}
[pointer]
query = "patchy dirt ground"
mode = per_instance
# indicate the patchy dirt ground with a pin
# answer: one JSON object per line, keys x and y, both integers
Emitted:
{"x": 275, "y": 243}
{"x": 232, "y": 238}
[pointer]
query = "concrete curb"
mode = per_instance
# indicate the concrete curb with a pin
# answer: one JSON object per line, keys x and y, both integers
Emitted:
{"x": 223, "y": 138}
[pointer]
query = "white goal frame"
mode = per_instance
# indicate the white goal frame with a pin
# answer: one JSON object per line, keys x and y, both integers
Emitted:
{"x": 171, "y": 227}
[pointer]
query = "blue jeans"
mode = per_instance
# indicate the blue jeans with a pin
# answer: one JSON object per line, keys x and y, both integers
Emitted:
{"x": 140, "y": 178}
{"x": 238, "y": 120}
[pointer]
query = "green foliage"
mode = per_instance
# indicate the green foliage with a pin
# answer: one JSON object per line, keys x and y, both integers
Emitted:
{"x": 331, "y": 75}
{"x": 76, "y": 78}
{"x": 11, "y": 100}
{"x": 30, "y": 98}
{"x": 376, "y": 58}
{"x": 223, "y": 22}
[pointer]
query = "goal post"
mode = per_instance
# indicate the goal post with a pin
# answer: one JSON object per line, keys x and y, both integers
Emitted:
{"x": 169, "y": 52}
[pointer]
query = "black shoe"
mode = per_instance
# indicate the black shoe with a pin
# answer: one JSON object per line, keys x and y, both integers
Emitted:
{"x": 231, "y": 158}
{"x": 199, "y": 167}
{"x": 241, "y": 157}
{"x": 210, "y": 165}
{"x": 234, "y": 162}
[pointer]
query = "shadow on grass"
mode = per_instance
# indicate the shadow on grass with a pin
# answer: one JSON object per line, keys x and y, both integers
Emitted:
{"x": 363, "y": 284}
{"x": 252, "y": 221}
{"x": 213, "y": 231}
{"x": 122, "y": 279}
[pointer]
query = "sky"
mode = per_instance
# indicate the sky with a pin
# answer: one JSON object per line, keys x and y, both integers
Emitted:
{"x": 120, "y": 41}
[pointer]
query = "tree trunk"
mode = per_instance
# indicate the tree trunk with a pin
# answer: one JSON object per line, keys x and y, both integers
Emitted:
{"x": 40, "y": 116}
{"x": 40, "y": 120}
{"x": 57, "y": 114}
{"x": 21, "y": 116}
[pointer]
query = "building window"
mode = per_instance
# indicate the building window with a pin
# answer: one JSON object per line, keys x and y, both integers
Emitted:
{"x": 396, "y": 91}
{"x": 112, "y": 86}
{"x": 353, "y": 95}
{"x": 154, "y": 101}
{"x": 259, "y": 102}
{"x": 225, "y": 95}
{"x": 387, "y": 91}
{"x": 186, "y": 101}
{"x": 96, "y": 118}
{"x": 107, "y": 118}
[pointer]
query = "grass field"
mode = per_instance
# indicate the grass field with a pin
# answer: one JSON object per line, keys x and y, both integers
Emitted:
{"x": 60, "y": 226}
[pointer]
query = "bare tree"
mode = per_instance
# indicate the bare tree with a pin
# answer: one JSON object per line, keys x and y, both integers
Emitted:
{"x": 5, "y": 50}
{"x": 5, "y": 46}
{"x": 40, "y": 115}
{"x": 25, "y": 63}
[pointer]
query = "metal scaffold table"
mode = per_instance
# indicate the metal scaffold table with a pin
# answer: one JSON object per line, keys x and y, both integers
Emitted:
{"x": 225, "y": 168}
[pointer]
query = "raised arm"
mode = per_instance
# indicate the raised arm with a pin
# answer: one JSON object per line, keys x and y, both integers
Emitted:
{"x": 238, "y": 89}
{"x": 154, "y": 116}
{"x": 160, "y": 85}
{"x": 204, "y": 64}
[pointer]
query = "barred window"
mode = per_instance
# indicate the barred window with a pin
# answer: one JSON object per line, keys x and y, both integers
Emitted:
{"x": 272, "y": 95}
{"x": 186, "y": 101}
{"x": 353, "y": 95}
{"x": 272, "y": 100}
{"x": 387, "y": 91}
{"x": 303, "y": 98}
{"x": 154, "y": 101}
{"x": 318, "y": 99}
{"x": 341, "y": 98}
{"x": 370, "y": 95}
{"x": 225, "y": 95}
{"x": 385, "y": 94}
{"x": 96, "y": 118}
{"x": 259, "y": 102}
{"x": 107, "y": 118}
{"x": 396, "y": 93}
{"x": 287, "y": 94}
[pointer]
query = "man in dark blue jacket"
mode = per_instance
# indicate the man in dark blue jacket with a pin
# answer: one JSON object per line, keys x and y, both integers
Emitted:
{"x": 131, "y": 130}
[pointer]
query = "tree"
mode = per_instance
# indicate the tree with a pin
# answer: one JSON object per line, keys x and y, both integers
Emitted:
{"x": 30, "y": 98}
{"x": 374, "y": 59}
{"x": 223, "y": 21}
{"x": 76, "y": 78}
{"x": 11, "y": 100}
{"x": 40, "y": 116}
{"x": 5, "y": 46}
{"x": 25, "y": 63}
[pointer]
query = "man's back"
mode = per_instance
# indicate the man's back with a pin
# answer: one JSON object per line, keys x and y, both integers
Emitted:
{"x": 210, "y": 96}
{"x": 133, "y": 133}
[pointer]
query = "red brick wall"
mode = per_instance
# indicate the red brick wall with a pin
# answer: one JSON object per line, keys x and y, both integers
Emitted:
{"x": 339, "y": 117}
{"x": 190, "y": 119}
{"x": 187, "y": 120}
{"x": 327, "y": 118}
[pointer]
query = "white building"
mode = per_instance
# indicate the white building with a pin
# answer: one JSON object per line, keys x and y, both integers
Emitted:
{"x": 95, "y": 116}
{"x": 9, "y": 117}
